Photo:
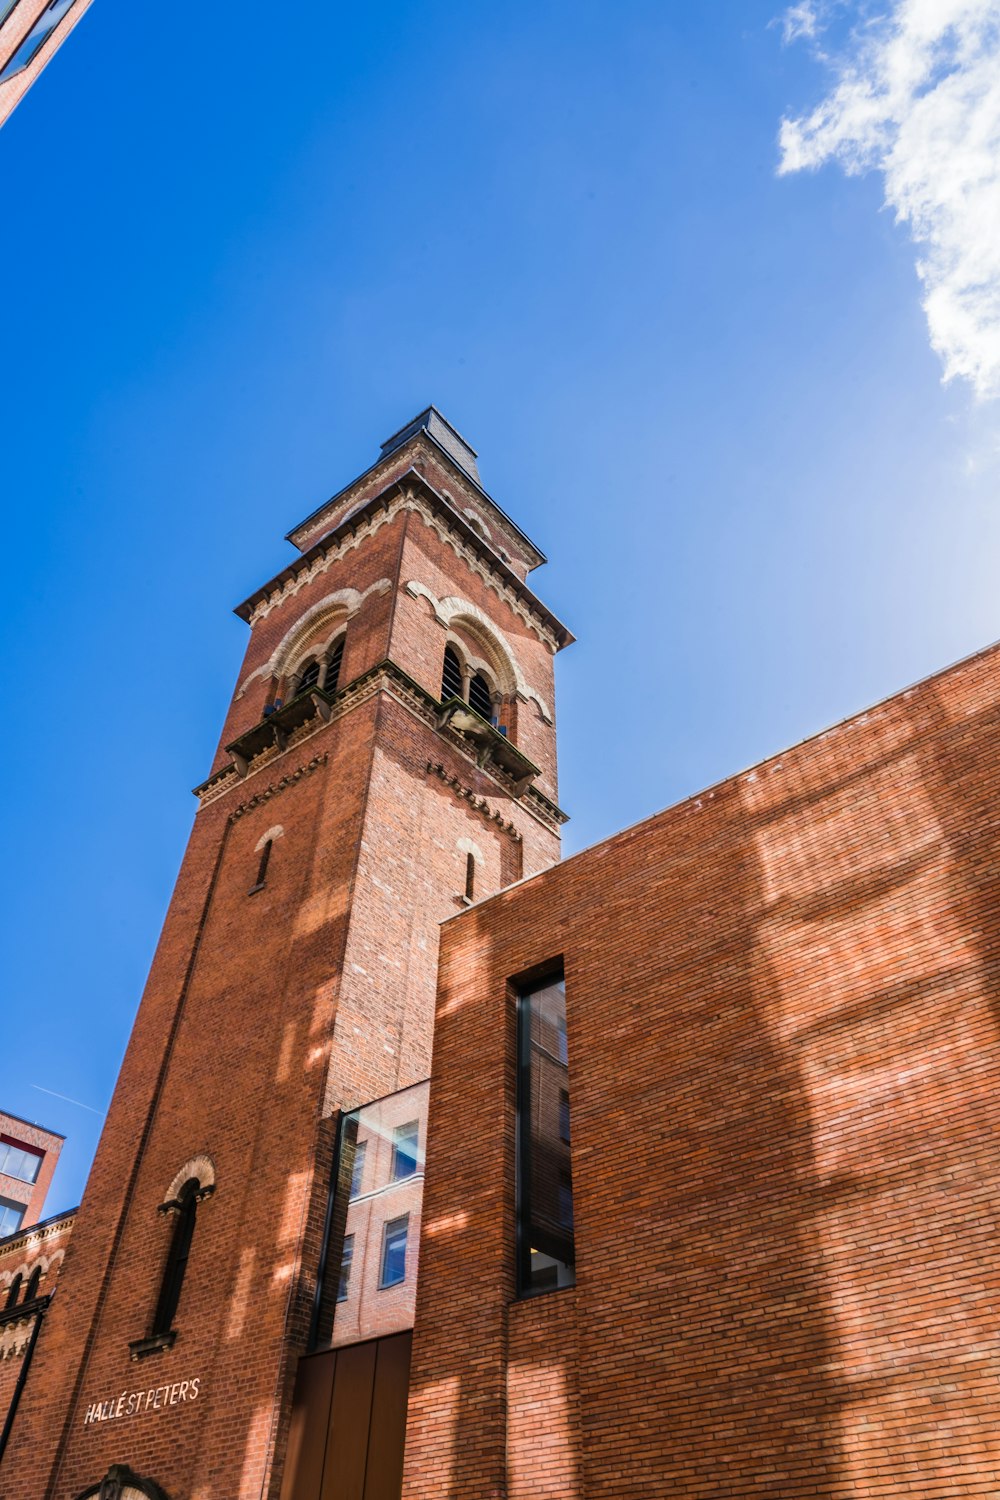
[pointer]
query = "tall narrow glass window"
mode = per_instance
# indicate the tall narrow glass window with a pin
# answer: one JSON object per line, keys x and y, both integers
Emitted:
{"x": 37, "y": 37}
{"x": 545, "y": 1247}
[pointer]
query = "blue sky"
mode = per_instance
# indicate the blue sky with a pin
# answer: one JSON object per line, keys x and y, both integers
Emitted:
{"x": 237, "y": 257}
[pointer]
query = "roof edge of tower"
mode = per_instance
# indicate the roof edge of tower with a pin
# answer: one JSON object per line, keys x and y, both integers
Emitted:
{"x": 391, "y": 447}
{"x": 561, "y": 633}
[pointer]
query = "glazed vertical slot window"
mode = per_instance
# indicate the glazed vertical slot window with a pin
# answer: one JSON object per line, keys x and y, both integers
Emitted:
{"x": 546, "y": 1252}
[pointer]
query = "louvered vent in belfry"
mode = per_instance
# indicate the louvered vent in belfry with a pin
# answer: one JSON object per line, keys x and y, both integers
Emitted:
{"x": 333, "y": 667}
{"x": 310, "y": 677}
{"x": 480, "y": 698}
{"x": 451, "y": 682}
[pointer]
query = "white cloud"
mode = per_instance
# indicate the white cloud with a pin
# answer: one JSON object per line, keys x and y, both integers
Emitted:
{"x": 916, "y": 96}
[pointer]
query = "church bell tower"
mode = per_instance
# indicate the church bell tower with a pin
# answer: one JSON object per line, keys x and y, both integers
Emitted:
{"x": 388, "y": 756}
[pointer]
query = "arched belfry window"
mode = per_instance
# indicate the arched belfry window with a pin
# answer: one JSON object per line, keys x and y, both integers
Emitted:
{"x": 451, "y": 680}
{"x": 480, "y": 697}
{"x": 333, "y": 666}
{"x": 13, "y": 1292}
{"x": 31, "y": 1290}
{"x": 309, "y": 676}
{"x": 177, "y": 1257}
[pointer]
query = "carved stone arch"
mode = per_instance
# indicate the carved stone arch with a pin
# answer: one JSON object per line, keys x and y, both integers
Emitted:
{"x": 269, "y": 837}
{"x": 122, "y": 1483}
{"x": 467, "y": 846}
{"x": 202, "y": 1169}
{"x": 338, "y": 607}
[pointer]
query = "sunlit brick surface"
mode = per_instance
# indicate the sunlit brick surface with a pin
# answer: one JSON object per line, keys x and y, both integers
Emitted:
{"x": 783, "y": 1009}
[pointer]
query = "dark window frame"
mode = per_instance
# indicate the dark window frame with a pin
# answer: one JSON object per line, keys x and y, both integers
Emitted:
{"x": 523, "y": 988}
{"x": 410, "y": 1156}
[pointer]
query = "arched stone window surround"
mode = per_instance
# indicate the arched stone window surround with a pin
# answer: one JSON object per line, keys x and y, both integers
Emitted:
{"x": 122, "y": 1483}
{"x": 269, "y": 837}
{"x": 323, "y": 655}
{"x": 26, "y": 1268}
{"x": 339, "y": 608}
{"x": 202, "y": 1169}
{"x": 454, "y": 611}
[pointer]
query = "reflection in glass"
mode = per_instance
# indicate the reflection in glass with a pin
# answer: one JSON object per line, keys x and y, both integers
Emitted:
{"x": 546, "y": 1252}
{"x": 358, "y": 1169}
{"x": 394, "y": 1252}
{"x": 404, "y": 1150}
{"x": 37, "y": 37}
{"x": 345, "y": 1268}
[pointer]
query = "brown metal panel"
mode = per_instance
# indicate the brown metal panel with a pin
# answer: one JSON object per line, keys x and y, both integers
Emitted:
{"x": 303, "y": 1474}
{"x": 350, "y": 1415}
{"x": 387, "y": 1435}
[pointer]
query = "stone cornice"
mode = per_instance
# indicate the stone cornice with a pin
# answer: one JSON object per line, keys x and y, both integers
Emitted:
{"x": 36, "y": 1233}
{"x": 385, "y": 677}
{"x": 470, "y": 489}
{"x": 410, "y": 492}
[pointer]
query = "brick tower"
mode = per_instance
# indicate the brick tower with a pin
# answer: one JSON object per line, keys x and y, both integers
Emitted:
{"x": 388, "y": 756}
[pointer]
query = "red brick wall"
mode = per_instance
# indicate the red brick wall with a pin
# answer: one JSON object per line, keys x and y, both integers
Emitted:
{"x": 783, "y": 1010}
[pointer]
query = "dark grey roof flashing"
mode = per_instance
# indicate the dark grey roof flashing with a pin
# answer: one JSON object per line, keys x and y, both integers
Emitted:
{"x": 303, "y": 525}
{"x": 446, "y": 437}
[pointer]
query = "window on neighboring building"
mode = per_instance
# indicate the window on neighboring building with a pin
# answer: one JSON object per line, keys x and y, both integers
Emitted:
{"x": 358, "y": 1168}
{"x": 177, "y": 1257}
{"x": 451, "y": 678}
{"x": 345, "y": 1268}
{"x": 11, "y": 1216}
{"x": 546, "y": 1254}
{"x": 333, "y": 666}
{"x": 13, "y": 1292}
{"x": 480, "y": 697}
{"x": 404, "y": 1150}
{"x": 37, "y": 37}
{"x": 394, "y": 1252}
{"x": 20, "y": 1161}
{"x": 6, "y": 6}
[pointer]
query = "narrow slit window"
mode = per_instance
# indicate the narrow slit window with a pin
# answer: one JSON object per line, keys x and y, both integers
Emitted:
{"x": 451, "y": 680}
{"x": 13, "y": 1292}
{"x": 470, "y": 876}
{"x": 546, "y": 1253}
{"x": 177, "y": 1258}
{"x": 265, "y": 860}
{"x": 333, "y": 667}
{"x": 480, "y": 697}
{"x": 31, "y": 1290}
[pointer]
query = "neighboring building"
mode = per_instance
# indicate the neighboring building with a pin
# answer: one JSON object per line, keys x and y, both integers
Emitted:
{"x": 711, "y": 1142}
{"x": 30, "y": 32}
{"x": 28, "y": 1156}
{"x": 29, "y": 1265}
